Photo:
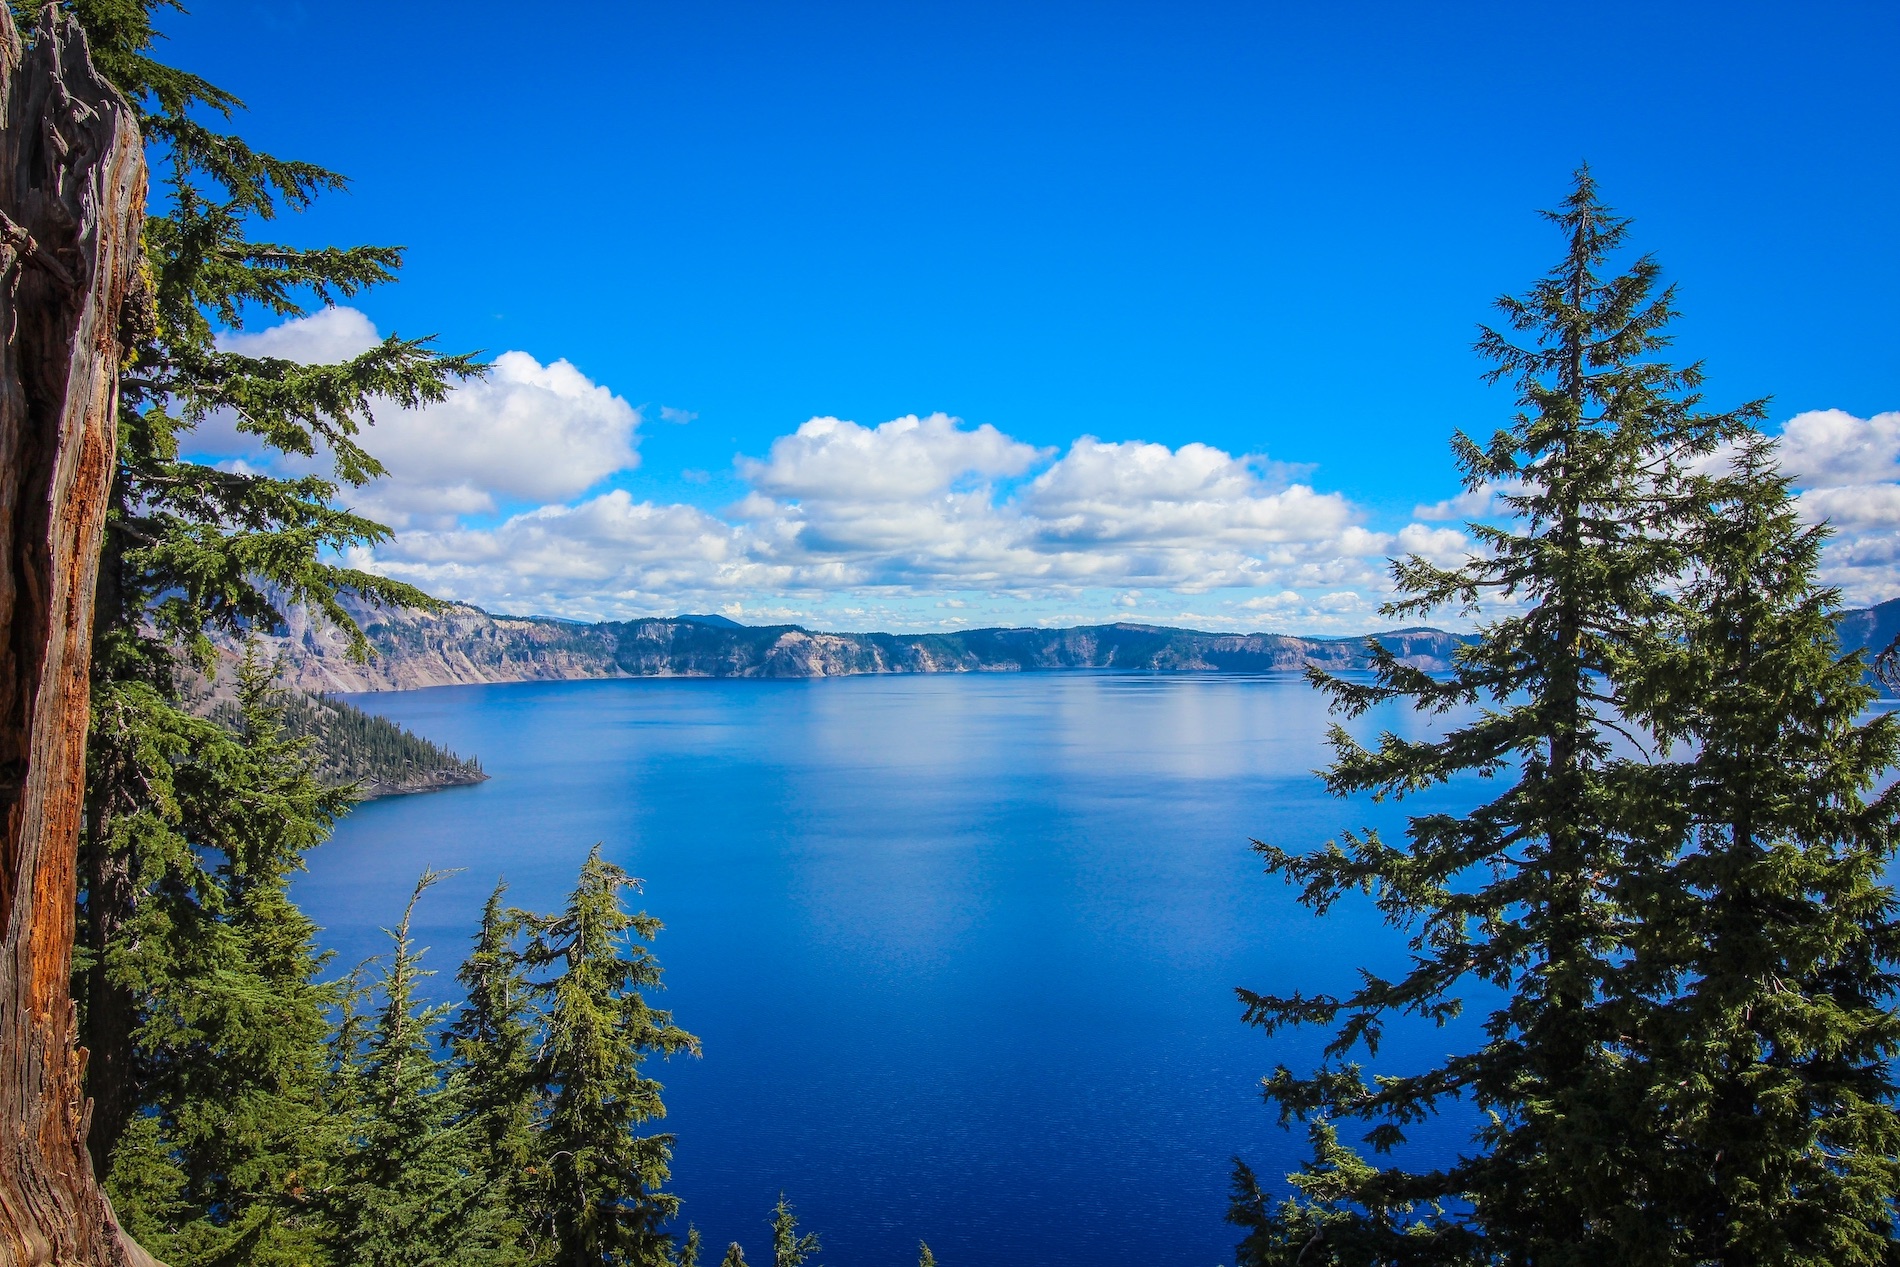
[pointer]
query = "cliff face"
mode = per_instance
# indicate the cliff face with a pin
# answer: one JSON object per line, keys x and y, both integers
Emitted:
{"x": 462, "y": 645}
{"x": 465, "y": 646}
{"x": 459, "y": 645}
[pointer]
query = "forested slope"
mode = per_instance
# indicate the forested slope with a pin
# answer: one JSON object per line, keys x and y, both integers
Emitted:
{"x": 373, "y": 753}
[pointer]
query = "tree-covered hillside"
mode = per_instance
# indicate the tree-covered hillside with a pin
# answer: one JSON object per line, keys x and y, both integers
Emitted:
{"x": 372, "y": 753}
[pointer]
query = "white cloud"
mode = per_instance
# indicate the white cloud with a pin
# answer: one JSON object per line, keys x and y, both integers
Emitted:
{"x": 527, "y": 432}
{"x": 1473, "y": 503}
{"x": 1847, "y": 472}
{"x": 898, "y": 523}
{"x": 1830, "y": 448}
{"x": 1447, "y": 547}
{"x": 920, "y": 507}
{"x": 827, "y": 459}
{"x": 1150, "y": 494}
{"x": 607, "y": 554}
{"x": 324, "y": 337}
{"x": 1854, "y": 507}
{"x": 1847, "y": 469}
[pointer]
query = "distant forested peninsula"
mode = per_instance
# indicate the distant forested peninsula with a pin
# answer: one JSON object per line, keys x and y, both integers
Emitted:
{"x": 371, "y": 753}
{"x": 350, "y": 747}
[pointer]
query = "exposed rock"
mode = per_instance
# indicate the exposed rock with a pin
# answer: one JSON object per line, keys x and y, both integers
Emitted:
{"x": 464, "y": 645}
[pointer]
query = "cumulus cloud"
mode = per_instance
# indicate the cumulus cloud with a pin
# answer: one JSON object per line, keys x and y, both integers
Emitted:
{"x": 1473, "y": 503}
{"x": 497, "y": 496}
{"x": 1831, "y": 448}
{"x": 929, "y": 506}
{"x": 324, "y": 337}
{"x": 527, "y": 432}
{"x": 828, "y": 459}
{"x": 1848, "y": 470}
{"x": 1447, "y": 547}
{"x": 607, "y": 555}
{"x": 1152, "y": 494}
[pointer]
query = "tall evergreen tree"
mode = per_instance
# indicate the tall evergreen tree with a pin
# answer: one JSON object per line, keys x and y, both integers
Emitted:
{"x": 493, "y": 1041}
{"x": 1767, "y": 945}
{"x": 790, "y": 1247}
{"x": 229, "y": 1132}
{"x": 190, "y": 549}
{"x": 404, "y": 1189}
{"x": 1523, "y": 893}
{"x": 605, "y": 1197}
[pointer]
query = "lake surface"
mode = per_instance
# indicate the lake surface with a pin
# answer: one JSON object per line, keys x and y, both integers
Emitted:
{"x": 961, "y": 949}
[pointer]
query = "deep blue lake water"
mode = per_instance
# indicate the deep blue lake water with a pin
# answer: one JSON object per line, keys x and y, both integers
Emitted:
{"x": 961, "y": 949}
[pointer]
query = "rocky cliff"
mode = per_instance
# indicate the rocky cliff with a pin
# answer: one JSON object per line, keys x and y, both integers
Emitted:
{"x": 461, "y": 645}
{"x": 465, "y": 645}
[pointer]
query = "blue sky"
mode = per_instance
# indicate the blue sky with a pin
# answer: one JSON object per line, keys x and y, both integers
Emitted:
{"x": 1265, "y": 230}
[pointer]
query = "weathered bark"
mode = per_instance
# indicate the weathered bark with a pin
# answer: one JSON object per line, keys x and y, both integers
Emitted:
{"x": 72, "y": 192}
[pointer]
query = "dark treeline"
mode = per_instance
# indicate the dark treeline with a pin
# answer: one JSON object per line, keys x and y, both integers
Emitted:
{"x": 1695, "y": 945}
{"x": 370, "y": 754}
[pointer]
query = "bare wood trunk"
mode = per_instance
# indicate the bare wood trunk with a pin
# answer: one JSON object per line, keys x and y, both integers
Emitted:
{"x": 72, "y": 193}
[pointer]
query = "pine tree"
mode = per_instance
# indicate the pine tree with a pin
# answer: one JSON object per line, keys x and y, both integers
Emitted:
{"x": 1525, "y": 892}
{"x": 403, "y": 1191}
{"x": 924, "y": 1257}
{"x": 735, "y": 1256}
{"x": 604, "y": 1193}
{"x": 789, "y": 1248}
{"x": 190, "y": 549}
{"x": 229, "y": 1133}
{"x": 1767, "y": 946}
{"x": 493, "y": 1042}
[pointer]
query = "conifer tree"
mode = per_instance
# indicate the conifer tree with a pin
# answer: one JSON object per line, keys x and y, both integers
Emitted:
{"x": 1525, "y": 893}
{"x": 403, "y": 1190}
{"x": 604, "y": 1195}
{"x": 493, "y": 1041}
{"x": 1767, "y": 945}
{"x": 924, "y": 1257}
{"x": 735, "y": 1256}
{"x": 229, "y": 1133}
{"x": 789, "y": 1247}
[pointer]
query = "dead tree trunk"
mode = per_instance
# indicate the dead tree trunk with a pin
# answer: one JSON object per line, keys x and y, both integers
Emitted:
{"x": 72, "y": 197}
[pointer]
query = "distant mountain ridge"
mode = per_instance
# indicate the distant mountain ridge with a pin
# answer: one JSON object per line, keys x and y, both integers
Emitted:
{"x": 465, "y": 645}
{"x": 1870, "y": 629}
